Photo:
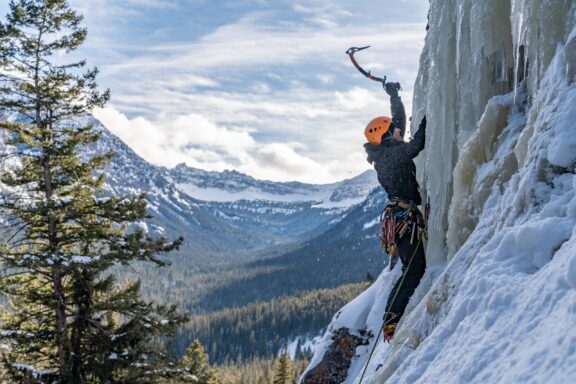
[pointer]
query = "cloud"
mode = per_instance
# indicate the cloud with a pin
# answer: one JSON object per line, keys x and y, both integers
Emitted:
{"x": 152, "y": 139}
{"x": 184, "y": 81}
{"x": 262, "y": 87}
{"x": 320, "y": 130}
{"x": 357, "y": 98}
{"x": 281, "y": 162}
{"x": 126, "y": 7}
{"x": 152, "y": 3}
{"x": 251, "y": 44}
{"x": 320, "y": 8}
{"x": 198, "y": 142}
{"x": 323, "y": 22}
{"x": 326, "y": 79}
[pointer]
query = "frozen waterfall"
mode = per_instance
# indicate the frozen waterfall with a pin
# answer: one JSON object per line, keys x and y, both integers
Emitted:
{"x": 497, "y": 82}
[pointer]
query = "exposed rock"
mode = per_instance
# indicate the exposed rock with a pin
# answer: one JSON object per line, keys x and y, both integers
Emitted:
{"x": 333, "y": 368}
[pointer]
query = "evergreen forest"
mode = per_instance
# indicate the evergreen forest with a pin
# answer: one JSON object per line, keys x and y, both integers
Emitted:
{"x": 81, "y": 299}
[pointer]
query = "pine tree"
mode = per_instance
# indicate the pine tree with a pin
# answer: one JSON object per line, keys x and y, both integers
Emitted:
{"x": 283, "y": 373}
{"x": 69, "y": 320}
{"x": 195, "y": 364}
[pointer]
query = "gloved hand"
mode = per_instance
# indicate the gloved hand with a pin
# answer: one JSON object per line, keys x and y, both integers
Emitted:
{"x": 423, "y": 123}
{"x": 392, "y": 88}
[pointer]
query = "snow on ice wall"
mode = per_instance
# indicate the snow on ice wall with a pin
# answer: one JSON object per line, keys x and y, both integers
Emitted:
{"x": 475, "y": 50}
{"x": 497, "y": 82}
{"x": 468, "y": 57}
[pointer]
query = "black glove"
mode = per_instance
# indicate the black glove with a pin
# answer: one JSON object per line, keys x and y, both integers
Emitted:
{"x": 423, "y": 123}
{"x": 392, "y": 88}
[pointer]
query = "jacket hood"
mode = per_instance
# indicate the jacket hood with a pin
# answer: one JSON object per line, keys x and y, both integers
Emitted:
{"x": 374, "y": 151}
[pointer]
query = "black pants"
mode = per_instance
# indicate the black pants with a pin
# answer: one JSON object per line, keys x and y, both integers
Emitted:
{"x": 412, "y": 272}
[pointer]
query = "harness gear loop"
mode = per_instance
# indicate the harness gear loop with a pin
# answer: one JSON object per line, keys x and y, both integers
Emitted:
{"x": 350, "y": 52}
{"x": 397, "y": 219}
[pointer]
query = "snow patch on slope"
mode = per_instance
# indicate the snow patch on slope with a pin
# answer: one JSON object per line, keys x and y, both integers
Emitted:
{"x": 249, "y": 193}
{"x": 231, "y": 186}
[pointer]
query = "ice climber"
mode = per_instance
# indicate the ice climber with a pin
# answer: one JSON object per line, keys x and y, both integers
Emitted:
{"x": 402, "y": 224}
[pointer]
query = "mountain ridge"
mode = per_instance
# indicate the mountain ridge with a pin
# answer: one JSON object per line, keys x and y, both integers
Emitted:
{"x": 185, "y": 201}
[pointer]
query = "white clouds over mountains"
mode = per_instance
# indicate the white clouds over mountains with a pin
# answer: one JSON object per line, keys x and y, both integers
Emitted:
{"x": 195, "y": 140}
{"x": 263, "y": 87}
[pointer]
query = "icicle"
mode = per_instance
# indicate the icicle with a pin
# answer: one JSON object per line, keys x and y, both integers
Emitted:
{"x": 525, "y": 71}
{"x": 519, "y": 25}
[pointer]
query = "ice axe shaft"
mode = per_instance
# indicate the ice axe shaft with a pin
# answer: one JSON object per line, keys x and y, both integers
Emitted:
{"x": 350, "y": 52}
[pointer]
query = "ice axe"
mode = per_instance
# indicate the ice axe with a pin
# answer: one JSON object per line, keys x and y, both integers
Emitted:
{"x": 390, "y": 88}
{"x": 350, "y": 52}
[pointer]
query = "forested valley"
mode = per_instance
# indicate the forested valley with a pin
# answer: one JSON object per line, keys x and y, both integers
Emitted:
{"x": 89, "y": 293}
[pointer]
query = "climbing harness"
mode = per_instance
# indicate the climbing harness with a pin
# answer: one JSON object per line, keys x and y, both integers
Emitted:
{"x": 350, "y": 52}
{"x": 397, "y": 219}
{"x": 391, "y": 303}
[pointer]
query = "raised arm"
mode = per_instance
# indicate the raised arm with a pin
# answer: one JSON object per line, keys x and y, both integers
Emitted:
{"x": 408, "y": 151}
{"x": 396, "y": 106}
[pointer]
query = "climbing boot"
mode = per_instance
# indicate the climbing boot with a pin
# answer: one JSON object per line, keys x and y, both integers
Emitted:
{"x": 389, "y": 330}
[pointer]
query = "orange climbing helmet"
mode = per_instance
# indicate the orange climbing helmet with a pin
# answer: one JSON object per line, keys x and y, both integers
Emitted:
{"x": 376, "y": 128}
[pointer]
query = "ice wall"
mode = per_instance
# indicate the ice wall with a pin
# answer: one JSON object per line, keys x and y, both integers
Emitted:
{"x": 468, "y": 58}
{"x": 475, "y": 50}
{"x": 497, "y": 83}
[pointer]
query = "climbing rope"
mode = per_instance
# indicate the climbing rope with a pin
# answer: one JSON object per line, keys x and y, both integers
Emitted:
{"x": 391, "y": 304}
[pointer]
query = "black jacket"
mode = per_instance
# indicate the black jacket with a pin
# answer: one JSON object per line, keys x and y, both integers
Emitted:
{"x": 395, "y": 167}
{"x": 396, "y": 106}
{"x": 398, "y": 114}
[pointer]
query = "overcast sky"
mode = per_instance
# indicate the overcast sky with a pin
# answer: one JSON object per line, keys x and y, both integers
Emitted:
{"x": 260, "y": 86}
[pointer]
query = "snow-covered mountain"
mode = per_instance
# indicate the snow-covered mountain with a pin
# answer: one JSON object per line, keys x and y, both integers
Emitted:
{"x": 234, "y": 186}
{"x": 246, "y": 240}
{"x": 225, "y": 216}
{"x": 497, "y": 303}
